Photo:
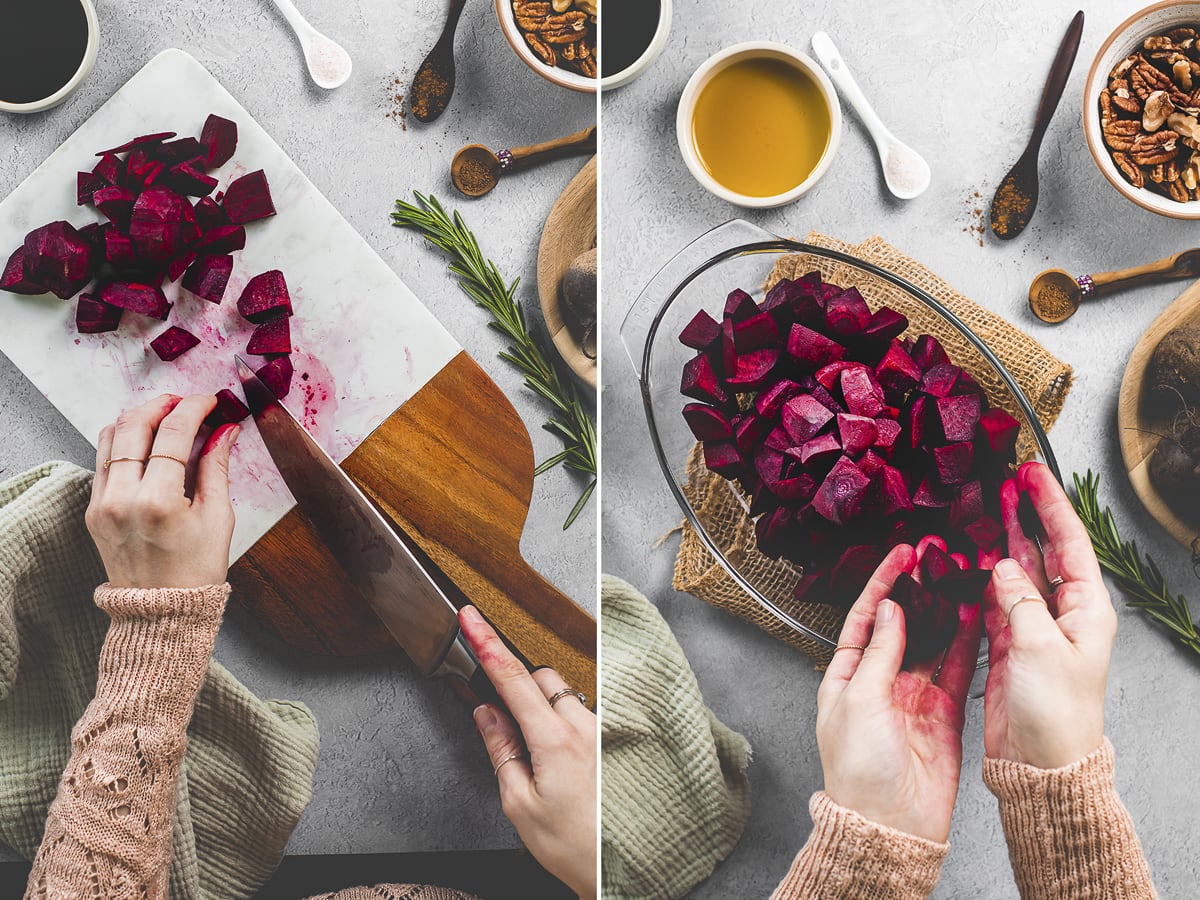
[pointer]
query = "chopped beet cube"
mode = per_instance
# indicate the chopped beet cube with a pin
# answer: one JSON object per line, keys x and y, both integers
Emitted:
{"x": 248, "y": 199}
{"x": 803, "y": 418}
{"x": 954, "y": 462}
{"x": 759, "y": 332}
{"x": 968, "y": 505}
{"x": 771, "y": 530}
{"x": 896, "y": 371}
{"x": 139, "y": 141}
{"x": 173, "y": 343}
{"x": 959, "y": 415}
{"x": 768, "y": 463}
{"x": 939, "y": 380}
{"x": 220, "y": 136}
{"x": 778, "y": 439}
{"x": 886, "y": 325}
{"x": 118, "y": 249}
{"x": 208, "y": 276}
{"x": 852, "y": 572}
{"x": 752, "y": 369}
{"x": 930, "y": 540}
{"x": 146, "y": 299}
{"x": 811, "y": 349}
{"x": 700, "y": 382}
{"x": 116, "y": 203}
{"x": 840, "y": 495}
{"x": 964, "y": 587}
{"x": 723, "y": 458}
{"x": 141, "y": 171}
{"x": 864, "y": 397}
{"x": 748, "y": 431}
{"x": 190, "y": 181}
{"x": 820, "y": 451}
{"x": 998, "y": 431}
{"x": 707, "y": 424}
{"x": 929, "y": 496}
{"x": 871, "y": 463}
{"x": 209, "y": 214}
{"x": 985, "y": 531}
{"x": 14, "y": 280}
{"x": 86, "y": 184}
{"x": 739, "y": 306}
{"x": 857, "y": 433}
{"x": 830, "y": 376}
{"x": 936, "y": 564}
{"x": 59, "y": 257}
{"x": 927, "y": 353}
{"x": 94, "y": 233}
{"x": 94, "y": 316}
{"x": 223, "y": 239}
{"x": 699, "y": 334}
{"x": 265, "y": 297}
{"x": 182, "y": 150}
{"x": 769, "y": 401}
{"x": 228, "y": 409}
{"x": 895, "y": 493}
{"x": 277, "y": 375}
{"x": 180, "y": 264}
{"x": 886, "y": 433}
{"x": 155, "y": 225}
{"x": 930, "y": 621}
{"x": 109, "y": 170}
{"x": 847, "y": 314}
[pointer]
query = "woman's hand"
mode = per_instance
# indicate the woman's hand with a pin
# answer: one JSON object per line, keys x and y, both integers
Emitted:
{"x": 1044, "y": 703}
{"x": 548, "y": 791}
{"x": 891, "y": 741}
{"x": 149, "y": 534}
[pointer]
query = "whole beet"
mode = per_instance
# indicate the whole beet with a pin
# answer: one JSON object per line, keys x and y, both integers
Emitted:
{"x": 1173, "y": 472}
{"x": 1175, "y": 365}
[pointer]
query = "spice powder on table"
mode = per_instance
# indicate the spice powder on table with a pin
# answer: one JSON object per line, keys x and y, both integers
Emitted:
{"x": 1008, "y": 207}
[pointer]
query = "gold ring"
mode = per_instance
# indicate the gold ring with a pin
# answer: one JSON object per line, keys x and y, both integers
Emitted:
{"x": 109, "y": 462}
{"x": 565, "y": 692}
{"x": 1028, "y": 597}
{"x": 1056, "y": 582}
{"x": 507, "y": 759}
{"x": 848, "y": 647}
{"x": 182, "y": 462}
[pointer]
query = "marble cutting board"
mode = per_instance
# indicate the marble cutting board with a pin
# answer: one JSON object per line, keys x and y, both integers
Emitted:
{"x": 364, "y": 343}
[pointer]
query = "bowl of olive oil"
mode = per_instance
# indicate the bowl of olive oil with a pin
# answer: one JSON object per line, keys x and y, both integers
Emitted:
{"x": 759, "y": 124}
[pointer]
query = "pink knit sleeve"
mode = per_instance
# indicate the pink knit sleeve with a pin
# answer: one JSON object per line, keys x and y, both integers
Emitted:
{"x": 108, "y": 833}
{"x": 848, "y": 857}
{"x": 1068, "y": 833}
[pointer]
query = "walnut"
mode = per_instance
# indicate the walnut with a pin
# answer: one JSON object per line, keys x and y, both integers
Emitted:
{"x": 1184, "y": 125}
{"x": 591, "y": 7}
{"x": 1158, "y": 107}
{"x": 560, "y": 6}
{"x": 1181, "y": 69}
{"x": 1124, "y": 66}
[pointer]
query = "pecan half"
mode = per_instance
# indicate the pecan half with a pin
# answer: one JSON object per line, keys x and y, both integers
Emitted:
{"x": 541, "y": 49}
{"x": 1177, "y": 192}
{"x": 1152, "y": 149}
{"x": 1123, "y": 97}
{"x": 563, "y": 36}
{"x": 1131, "y": 171}
{"x": 1120, "y": 133}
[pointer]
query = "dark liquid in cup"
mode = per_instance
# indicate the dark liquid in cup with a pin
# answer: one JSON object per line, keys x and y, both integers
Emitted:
{"x": 42, "y": 43}
{"x": 626, "y": 29}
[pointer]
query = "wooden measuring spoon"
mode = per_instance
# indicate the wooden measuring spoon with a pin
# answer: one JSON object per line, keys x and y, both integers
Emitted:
{"x": 476, "y": 169}
{"x": 1054, "y": 295}
{"x": 1017, "y": 196}
{"x": 433, "y": 84}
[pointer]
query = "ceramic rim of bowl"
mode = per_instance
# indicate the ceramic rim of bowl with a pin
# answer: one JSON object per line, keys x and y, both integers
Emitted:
{"x": 516, "y": 39}
{"x": 85, "y": 68}
{"x": 722, "y": 60}
{"x": 1096, "y": 81}
{"x": 649, "y": 55}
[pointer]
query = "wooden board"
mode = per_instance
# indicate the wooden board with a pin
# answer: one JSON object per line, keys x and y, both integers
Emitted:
{"x": 1139, "y": 424}
{"x": 453, "y": 468}
{"x": 570, "y": 229}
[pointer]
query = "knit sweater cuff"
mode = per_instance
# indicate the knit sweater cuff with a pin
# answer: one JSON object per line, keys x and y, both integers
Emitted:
{"x": 157, "y": 649}
{"x": 1068, "y": 832}
{"x": 849, "y": 856}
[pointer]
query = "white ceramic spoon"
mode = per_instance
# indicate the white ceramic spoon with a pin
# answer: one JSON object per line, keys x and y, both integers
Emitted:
{"x": 904, "y": 170}
{"x": 328, "y": 63}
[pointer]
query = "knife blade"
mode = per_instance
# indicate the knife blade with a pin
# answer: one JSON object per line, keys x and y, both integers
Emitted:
{"x": 396, "y": 579}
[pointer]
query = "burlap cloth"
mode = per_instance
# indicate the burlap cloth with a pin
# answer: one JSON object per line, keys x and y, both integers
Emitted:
{"x": 1044, "y": 379}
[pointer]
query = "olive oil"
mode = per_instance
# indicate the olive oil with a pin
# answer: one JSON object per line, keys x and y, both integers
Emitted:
{"x": 761, "y": 126}
{"x": 626, "y": 29}
{"x": 42, "y": 44}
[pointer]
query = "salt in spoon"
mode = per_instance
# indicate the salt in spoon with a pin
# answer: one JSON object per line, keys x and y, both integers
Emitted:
{"x": 904, "y": 170}
{"x": 328, "y": 63}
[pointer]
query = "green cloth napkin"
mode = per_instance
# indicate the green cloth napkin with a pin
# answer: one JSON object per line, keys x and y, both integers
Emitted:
{"x": 674, "y": 791}
{"x": 247, "y": 775}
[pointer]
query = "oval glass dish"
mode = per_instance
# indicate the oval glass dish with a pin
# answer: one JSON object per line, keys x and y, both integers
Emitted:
{"x": 740, "y": 255}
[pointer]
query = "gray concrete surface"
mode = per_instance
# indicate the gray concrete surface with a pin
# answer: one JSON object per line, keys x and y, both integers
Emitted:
{"x": 960, "y": 82}
{"x": 401, "y": 768}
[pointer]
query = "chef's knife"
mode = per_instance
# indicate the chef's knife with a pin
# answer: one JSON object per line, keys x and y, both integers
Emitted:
{"x": 398, "y": 580}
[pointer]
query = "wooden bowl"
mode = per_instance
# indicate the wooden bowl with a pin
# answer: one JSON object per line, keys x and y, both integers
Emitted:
{"x": 570, "y": 229}
{"x": 1139, "y": 424}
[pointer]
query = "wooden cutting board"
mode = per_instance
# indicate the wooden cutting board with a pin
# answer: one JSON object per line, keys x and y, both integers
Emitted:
{"x": 453, "y": 467}
{"x": 1140, "y": 423}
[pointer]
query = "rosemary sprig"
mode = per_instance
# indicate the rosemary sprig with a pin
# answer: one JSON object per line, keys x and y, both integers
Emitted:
{"x": 1135, "y": 573}
{"x": 483, "y": 283}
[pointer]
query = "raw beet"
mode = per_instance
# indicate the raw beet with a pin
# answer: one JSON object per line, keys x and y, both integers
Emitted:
{"x": 146, "y": 299}
{"x": 209, "y": 214}
{"x": 14, "y": 280}
{"x": 156, "y": 138}
{"x": 265, "y": 297}
{"x": 228, "y": 409}
{"x": 953, "y": 462}
{"x": 699, "y": 334}
{"x": 803, "y": 418}
{"x": 886, "y": 325}
{"x": 707, "y": 424}
{"x": 208, "y": 277}
{"x": 155, "y": 224}
{"x": 116, "y": 203}
{"x": 277, "y": 375}
{"x": 190, "y": 181}
{"x": 59, "y": 257}
{"x": 110, "y": 169}
{"x": 173, "y": 343}
{"x": 180, "y": 264}
{"x": 249, "y": 199}
{"x": 770, "y": 401}
{"x": 999, "y": 432}
{"x": 927, "y": 352}
{"x": 748, "y": 430}
{"x": 930, "y": 621}
{"x": 847, "y": 313}
{"x": 271, "y": 337}
{"x": 756, "y": 333}
{"x": 223, "y": 239}
{"x": 739, "y": 306}
{"x": 723, "y": 458}
{"x": 811, "y": 349}
{"x": 840, "y": 496}
{"x": 86, "y": 184}
{"x": 820, "y": 451}
{"x": 897, "y": 371}
{"x": 220, "y": 136}
{"x": 939, "y": 381}
{"x": 118, "y": 249}
{"x": 94, "y": 316}
{"x": 699, "y": 381}
{"x": 752, "y": 369}
{"x": 959, "y": 415}
{"x": 864, "y": 397}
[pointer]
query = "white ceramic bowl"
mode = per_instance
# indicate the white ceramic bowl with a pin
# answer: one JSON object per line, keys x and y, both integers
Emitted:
{"x": 1125, "y": 39}
{"x": 725, "y": 58}
{"x": 85, "y": 67}
{"x": 649, "y": 55}
{"x": 516, "y": 39}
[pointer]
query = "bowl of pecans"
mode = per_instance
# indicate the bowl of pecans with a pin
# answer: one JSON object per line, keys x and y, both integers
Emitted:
{"x": 555, "y": 38}
{"x": 1141, "y": 109}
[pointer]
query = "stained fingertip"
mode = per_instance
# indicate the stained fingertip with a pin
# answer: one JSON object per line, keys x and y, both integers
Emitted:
{"x": 469, "y": 614}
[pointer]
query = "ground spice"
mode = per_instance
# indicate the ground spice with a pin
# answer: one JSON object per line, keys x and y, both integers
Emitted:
{"x": 1010, "y": 208}
{"x": 474, "y": 177}
{"x": 428, "y": 87}
{"x": 976, "y": 227}
{"x": 397, "y": 111}
{"x": 1053, "y": 303}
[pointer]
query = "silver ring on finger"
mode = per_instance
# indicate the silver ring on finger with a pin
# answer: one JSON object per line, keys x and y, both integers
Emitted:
{"x": 568, "y": 692}
{"x": 500, "y": 765}
{"x": 1057, "y": 582}
{"x": 1025, "y": 599}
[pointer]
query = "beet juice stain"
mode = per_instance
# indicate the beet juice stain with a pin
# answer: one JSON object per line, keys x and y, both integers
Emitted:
{"x": 42, "y": 44}
{"x": 627, "y": 28}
